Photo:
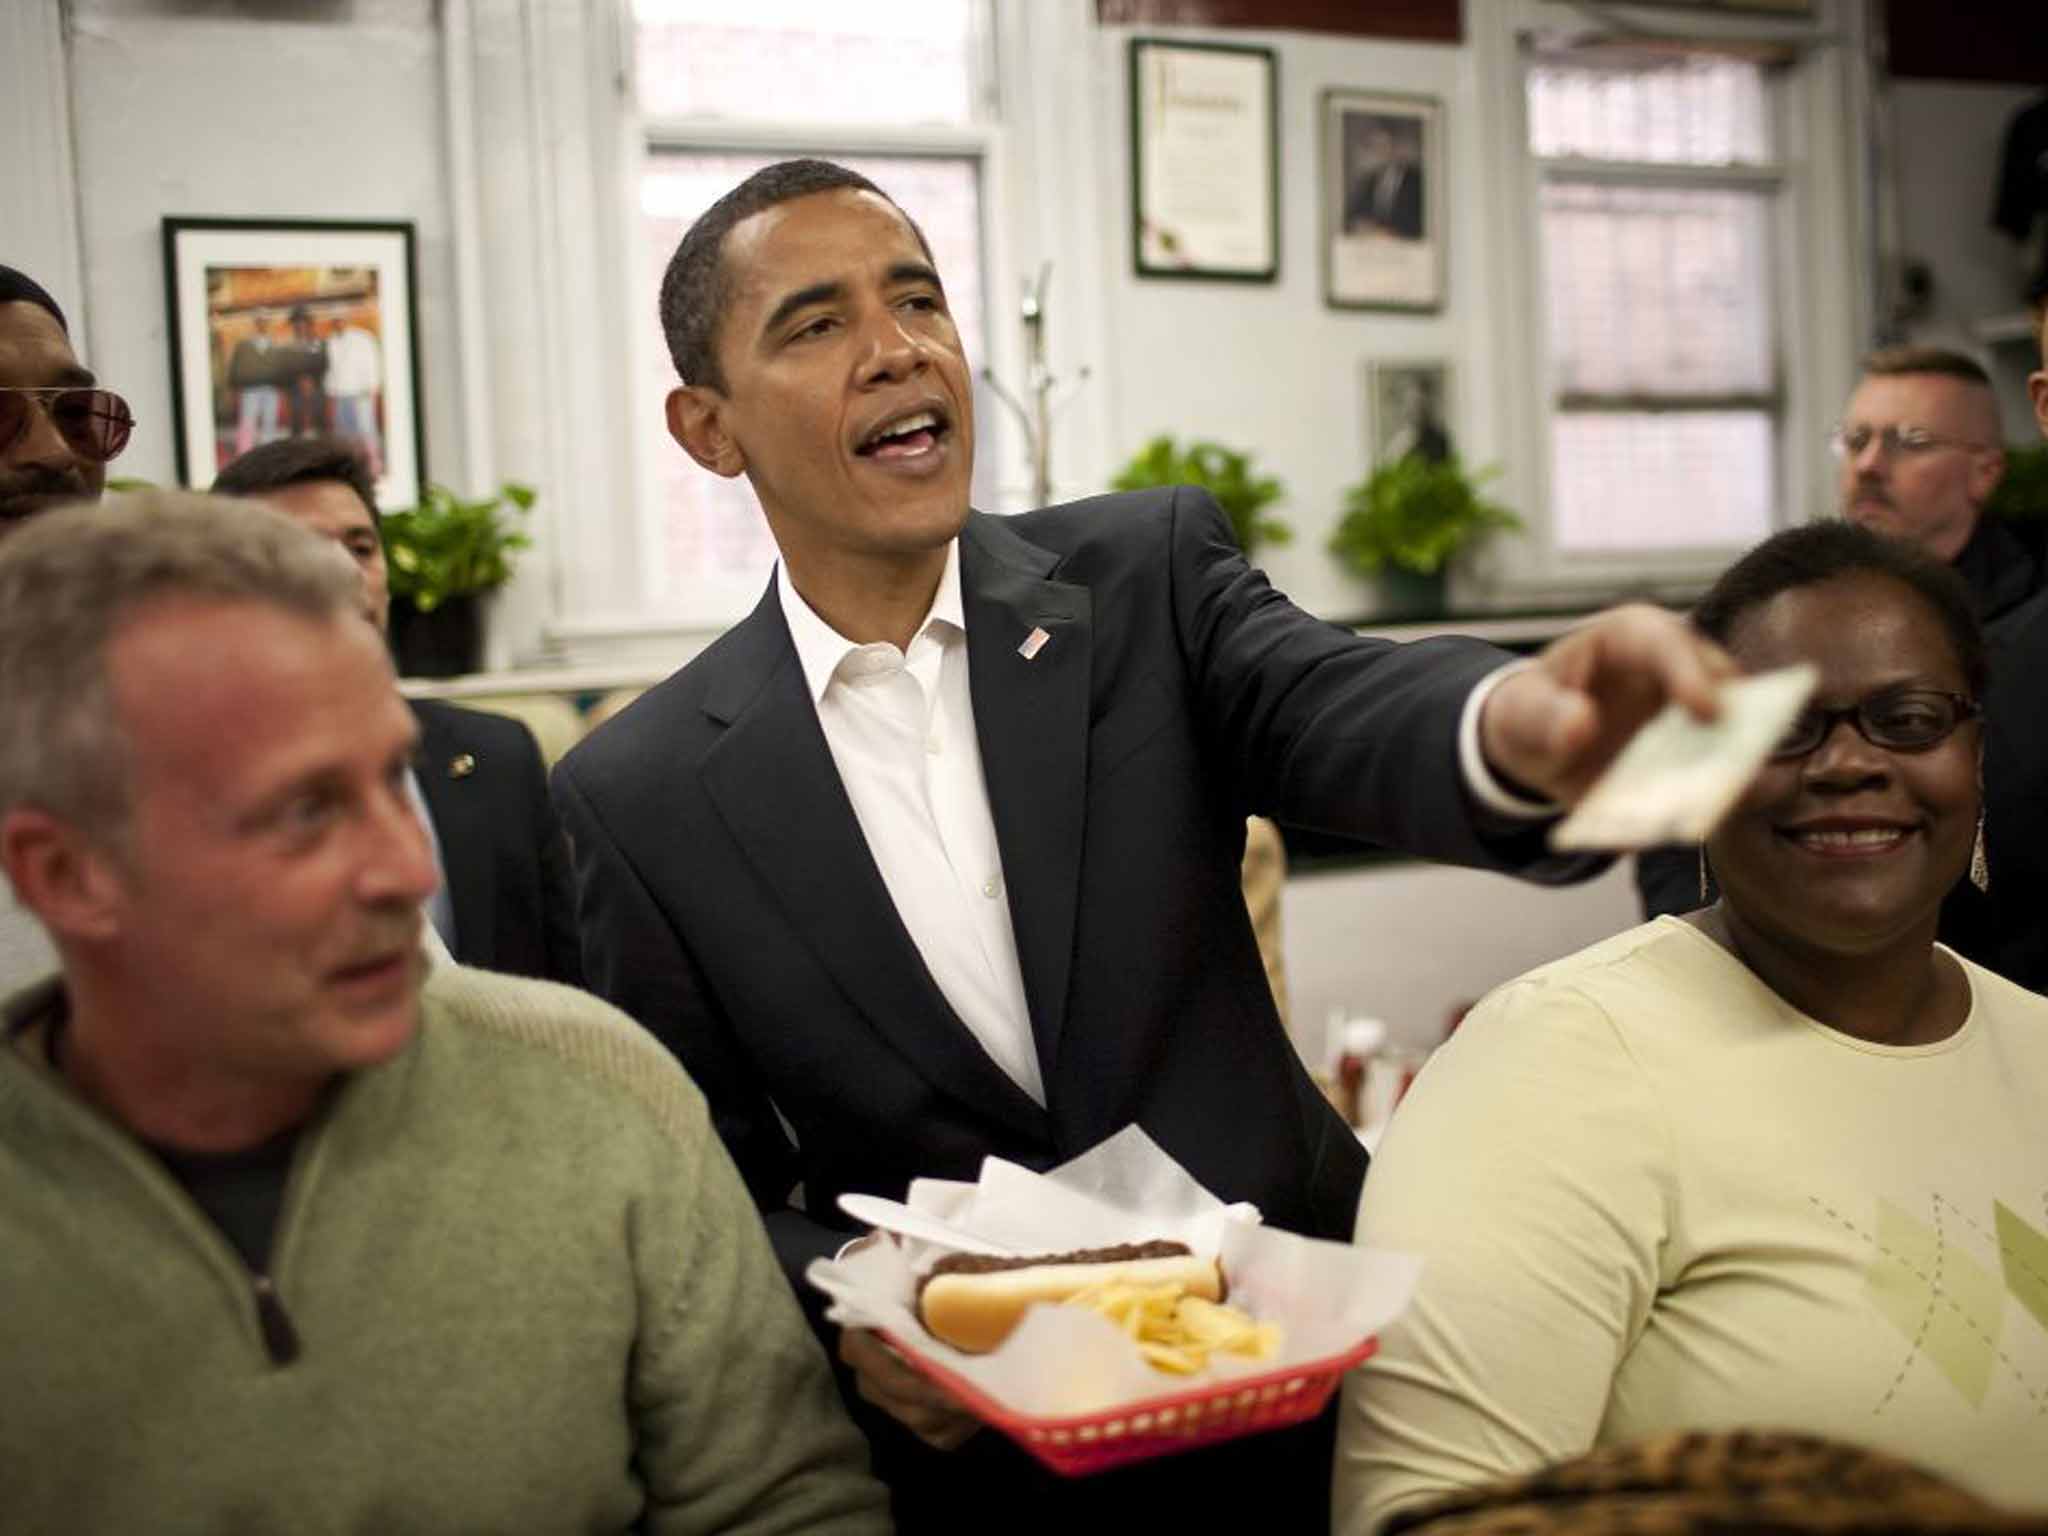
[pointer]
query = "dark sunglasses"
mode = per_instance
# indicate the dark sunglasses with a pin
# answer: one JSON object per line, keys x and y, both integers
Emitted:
{"x": 95, "y": 422}
{"x": 1896, "y": 719}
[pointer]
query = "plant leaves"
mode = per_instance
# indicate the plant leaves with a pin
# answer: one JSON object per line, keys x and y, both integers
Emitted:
{"x": 1224, "y": 473}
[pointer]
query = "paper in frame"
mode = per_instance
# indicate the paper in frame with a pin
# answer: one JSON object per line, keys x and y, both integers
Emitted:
{"x": 1384, "y": 198}
{"x": 1204, "y": 161}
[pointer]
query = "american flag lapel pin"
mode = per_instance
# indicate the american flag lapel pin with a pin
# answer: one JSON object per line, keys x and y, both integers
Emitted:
{"x": 1033, "y": 644}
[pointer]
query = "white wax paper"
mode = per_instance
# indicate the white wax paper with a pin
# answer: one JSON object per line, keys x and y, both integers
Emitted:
{"x": 1064, "y": 1361}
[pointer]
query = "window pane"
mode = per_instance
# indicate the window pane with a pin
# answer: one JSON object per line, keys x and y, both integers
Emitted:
{"x": 1658, "y": 291}
{"x": 1688, "y": 111}
{"x": 908, "y": 62}
{"x": 1662, "y": 480}
{"x": 710, "y": 530}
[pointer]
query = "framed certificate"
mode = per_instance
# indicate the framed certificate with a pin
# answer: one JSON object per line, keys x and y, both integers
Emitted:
{"x": 1205, "y": 200}
{"x": 1383, "y": 201}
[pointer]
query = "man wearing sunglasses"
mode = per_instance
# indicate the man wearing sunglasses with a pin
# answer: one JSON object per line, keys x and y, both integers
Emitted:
{"x": 58, "y": 428}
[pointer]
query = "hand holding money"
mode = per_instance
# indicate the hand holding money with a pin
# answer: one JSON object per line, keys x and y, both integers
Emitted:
{"x": 1679, "y": 776}
{"x": 1554, "y": 727}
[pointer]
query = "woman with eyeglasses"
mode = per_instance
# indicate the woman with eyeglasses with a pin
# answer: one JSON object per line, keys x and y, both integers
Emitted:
{"x": 1781, "y": 1164}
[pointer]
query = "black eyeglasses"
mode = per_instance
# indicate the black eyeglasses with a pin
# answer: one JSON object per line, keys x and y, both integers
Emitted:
{"x": 95, "y": 422}
{"x": 1896, "y": 719}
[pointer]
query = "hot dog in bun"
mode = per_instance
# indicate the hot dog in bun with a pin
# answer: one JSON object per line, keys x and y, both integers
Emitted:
{"x": 973, "y": 1302}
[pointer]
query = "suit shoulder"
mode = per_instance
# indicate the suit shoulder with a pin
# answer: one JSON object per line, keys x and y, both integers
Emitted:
{"x": 1134, "y": 526}
{"x": 576, "y": 1032}
{"x": 668, "y": 713}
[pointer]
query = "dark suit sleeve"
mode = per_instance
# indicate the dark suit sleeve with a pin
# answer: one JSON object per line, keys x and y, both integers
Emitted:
{"x": 1325, "y": 730}
{"x": 559, "y": 934}
{"x": 634, "y": 958}
{"x": 1668, "y": 881}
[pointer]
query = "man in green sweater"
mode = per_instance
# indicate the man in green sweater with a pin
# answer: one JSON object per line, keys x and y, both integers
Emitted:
{"x": 288, "y": 1240}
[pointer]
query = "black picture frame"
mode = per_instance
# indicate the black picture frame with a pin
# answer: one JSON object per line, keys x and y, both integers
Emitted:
{"x": 1245, "y": 249}
{"x": 1384, "y": 196}
{"x": 284, "y": 327}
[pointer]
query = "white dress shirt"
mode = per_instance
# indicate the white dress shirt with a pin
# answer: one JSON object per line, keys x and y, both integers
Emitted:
{"x": 901, "y": 731}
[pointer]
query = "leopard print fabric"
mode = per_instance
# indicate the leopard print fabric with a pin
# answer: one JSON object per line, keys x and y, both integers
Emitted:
{"x": 1752, "y": 1481}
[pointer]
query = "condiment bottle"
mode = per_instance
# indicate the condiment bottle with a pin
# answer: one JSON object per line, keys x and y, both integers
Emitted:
{"x": 1361, "y": 1039}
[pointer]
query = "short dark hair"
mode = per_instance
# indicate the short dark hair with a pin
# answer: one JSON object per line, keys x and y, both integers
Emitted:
{"x": 17, "y": 287}
{"x": 1890, "y": 362}
{"x": 299, "y": 461}
{"x": 1816, "y": 552}
{"x": 694, "y": 292}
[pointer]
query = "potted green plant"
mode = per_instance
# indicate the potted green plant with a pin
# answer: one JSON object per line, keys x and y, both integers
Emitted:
{"x": 444, "y": 555}
{"x": 1408, "y": 520}
{"x": 1224, "y": 473}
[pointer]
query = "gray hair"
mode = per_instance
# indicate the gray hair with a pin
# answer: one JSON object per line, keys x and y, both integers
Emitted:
{"x": 70, "y": 579}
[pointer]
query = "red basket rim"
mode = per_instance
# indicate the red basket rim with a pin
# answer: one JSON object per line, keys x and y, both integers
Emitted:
{"x": 993, "y": 1412}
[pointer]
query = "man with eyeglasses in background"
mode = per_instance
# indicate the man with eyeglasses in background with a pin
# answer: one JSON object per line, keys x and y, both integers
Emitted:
{"x": 1919, "y": 452}
{"x": 58, "y": 429}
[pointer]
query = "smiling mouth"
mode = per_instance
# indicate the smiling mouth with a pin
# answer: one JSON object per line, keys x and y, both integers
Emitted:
{"x": 1847, "y": 842}
{"x": 909, "y": 436}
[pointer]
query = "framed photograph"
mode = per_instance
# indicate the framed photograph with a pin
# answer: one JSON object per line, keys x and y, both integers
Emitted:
{"x": 1205, "y": 182}
{"x": 1409, "y": 410}
{"x": 1383, "y": 201}
{"x": 282, "y": 328}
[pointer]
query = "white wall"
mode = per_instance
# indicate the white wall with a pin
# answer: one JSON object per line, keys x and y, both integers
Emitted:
{"x": 328, "y": 111}
{"x": 1270, "y": 367}
{"x": 1946, "y": 138}
{"x": 1407, "y": 942}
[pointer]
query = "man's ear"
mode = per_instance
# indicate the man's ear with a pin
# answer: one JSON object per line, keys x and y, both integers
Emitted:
{"x": 66, "y": 879}
{"x": 696, "y": 419}
{"x": 2037, "y": 391}
{"x": 1986, "y": 470}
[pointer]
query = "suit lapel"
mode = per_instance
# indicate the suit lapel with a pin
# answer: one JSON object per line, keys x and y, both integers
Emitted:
{"x": 773, "y": 780}
{"x": 461, "y": 810}
{"x": 1031, "y": 718}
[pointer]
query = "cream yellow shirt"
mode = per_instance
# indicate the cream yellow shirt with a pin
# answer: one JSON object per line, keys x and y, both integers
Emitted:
{"x": 1649, "y": 1194}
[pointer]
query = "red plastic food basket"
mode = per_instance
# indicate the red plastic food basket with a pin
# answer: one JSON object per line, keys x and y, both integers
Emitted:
{"x": 1079, "y": 1444}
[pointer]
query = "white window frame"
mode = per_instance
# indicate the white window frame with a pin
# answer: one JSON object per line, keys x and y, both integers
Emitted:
{"x": 1821, "y": 306}
{"x": 633, "y": 620}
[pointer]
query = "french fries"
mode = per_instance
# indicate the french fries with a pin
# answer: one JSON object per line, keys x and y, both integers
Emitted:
{"x": 1176, "y": 1332}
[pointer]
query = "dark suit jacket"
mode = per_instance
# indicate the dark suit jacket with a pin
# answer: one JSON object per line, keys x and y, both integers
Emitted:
{"x": 501, "y": 846}
{"x": 1403, "y": 217}
{"x": 729, "y": 901}
{"x": 2005, "y": 928}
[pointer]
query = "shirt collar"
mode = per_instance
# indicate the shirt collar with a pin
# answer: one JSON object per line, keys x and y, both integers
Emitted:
{"x": 821, "y": 648}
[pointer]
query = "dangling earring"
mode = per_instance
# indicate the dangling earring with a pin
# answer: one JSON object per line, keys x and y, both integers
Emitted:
{"x": 1703, "y": 874}
{"x": 1980, "y": 867}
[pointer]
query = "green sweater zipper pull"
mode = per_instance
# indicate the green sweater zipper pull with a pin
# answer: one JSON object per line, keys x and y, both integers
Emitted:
{"x": 280, "y": 1338}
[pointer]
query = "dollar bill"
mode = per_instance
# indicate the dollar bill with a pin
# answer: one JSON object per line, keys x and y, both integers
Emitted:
{"x": 1679, "y": 776}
